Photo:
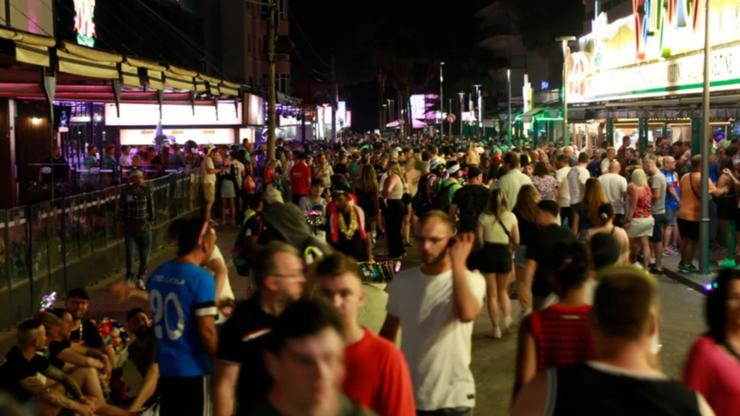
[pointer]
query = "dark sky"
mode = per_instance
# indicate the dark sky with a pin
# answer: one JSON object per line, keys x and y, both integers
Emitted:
{"x": 362, "y": 35}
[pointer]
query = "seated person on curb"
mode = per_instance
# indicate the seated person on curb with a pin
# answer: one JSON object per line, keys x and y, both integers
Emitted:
{"x": 28, "y": 375}
{"x": 84, "y": 332}
{"x": 378, "y": 376}
{"x": 62, "y": 353}
{"x": 621, "y": 379}
{"x": 143, "y": 352}
{"x": 305, "y": 358}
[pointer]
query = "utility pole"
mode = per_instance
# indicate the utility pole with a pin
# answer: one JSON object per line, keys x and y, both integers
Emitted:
{"x": 704, "y": 224}
{"x": 335, "y": 94}
{"x": 564, "y": 93}
{"x": 271, "y": 93}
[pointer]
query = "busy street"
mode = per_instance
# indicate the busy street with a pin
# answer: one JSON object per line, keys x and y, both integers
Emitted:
{"x": 279, "y": 208}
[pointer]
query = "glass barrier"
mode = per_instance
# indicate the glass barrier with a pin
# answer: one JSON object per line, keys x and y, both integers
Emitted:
{"x": 17, "y": 249}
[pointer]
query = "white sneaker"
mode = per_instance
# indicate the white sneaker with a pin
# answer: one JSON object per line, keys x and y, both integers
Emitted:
{"x": 507, "y": 323}
{"x": 495, "y": 333}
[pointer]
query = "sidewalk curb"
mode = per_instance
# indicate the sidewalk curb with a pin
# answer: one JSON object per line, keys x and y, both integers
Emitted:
{"x": 684, "y": 280}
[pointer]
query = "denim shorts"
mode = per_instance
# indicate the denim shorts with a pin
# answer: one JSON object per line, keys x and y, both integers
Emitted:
{"x": 671, "y": 215}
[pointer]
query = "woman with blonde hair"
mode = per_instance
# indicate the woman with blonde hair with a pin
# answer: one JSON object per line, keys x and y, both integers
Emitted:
{"x": 498, "y": 232}
{"x": 394, "y": 188}
{"x": 638, "y": 220}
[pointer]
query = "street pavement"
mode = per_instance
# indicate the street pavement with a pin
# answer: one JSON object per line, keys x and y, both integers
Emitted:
{"x": 493, "y": 361}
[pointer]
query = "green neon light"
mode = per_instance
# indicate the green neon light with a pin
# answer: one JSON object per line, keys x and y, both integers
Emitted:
{"x": 549, "y": 119}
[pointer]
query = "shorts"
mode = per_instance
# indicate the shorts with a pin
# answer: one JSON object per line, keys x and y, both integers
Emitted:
{"x": 209, "y": 191}
{"x": 520, "y": 255}
{"x": 495, "y": 258}
{"x": 661, "y": 221}
{"x": 184, "y": 396}
{"x": 688, "y": 229}
{"x": 641, "y": 227}
{"x": 670, "y": 216}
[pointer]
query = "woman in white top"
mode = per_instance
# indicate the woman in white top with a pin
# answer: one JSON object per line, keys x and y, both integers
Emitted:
{"x": 498, "y": 231}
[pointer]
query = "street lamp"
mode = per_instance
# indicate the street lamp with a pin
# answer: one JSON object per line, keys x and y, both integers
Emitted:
{"x": 508, "y": 120}
{"x": 704, "y": 224}
{"x": 480, "y": 112}
{"x": 564, "y": 45}
{"x": 461, "y": 95}
{"x": 441, "y": 98}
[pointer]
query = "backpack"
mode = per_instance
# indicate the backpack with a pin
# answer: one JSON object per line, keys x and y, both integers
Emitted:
{"x": 442, "y": 198}
{"x": 423, "y": 201}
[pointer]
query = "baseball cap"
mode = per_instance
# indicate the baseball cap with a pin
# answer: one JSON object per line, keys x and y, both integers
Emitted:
{"x": 453, "y": 169}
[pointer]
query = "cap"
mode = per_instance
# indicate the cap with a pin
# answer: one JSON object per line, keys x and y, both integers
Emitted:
{"x": 453, "y": 169}
{"x": 78, "y": 293}
{"x": 436, "y": 163}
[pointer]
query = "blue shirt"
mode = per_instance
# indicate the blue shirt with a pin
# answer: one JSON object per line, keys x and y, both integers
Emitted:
{"x": 671, "y": 182}
{"x": 179, "y": 293}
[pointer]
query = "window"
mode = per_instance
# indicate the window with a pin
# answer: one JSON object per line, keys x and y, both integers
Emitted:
{"x": 283, "y": 83}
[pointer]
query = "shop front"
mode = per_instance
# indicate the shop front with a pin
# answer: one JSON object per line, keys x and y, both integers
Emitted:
{"x": 641, "y": 75}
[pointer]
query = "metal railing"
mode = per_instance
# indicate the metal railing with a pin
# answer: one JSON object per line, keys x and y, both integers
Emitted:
{"x": 72, "y": 241}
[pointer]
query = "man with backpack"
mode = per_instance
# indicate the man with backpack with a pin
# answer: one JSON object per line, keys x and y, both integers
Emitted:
{"x": 428, "y": 185}
{"x": 448, "y": 187}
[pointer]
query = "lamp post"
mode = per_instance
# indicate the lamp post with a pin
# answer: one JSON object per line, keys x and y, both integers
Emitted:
{"x": 508, "y": 120}
{"x": 704, "y": 224}
{"x": 461, "y": 95}
{"x": 563, "y": 93}
{"x": 441, "y": 98}
{"x": 480, "y": 112}
{"x": 449, "y": 122}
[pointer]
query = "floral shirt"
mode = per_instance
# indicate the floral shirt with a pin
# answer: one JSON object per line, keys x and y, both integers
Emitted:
{"x": 547, "y": 186}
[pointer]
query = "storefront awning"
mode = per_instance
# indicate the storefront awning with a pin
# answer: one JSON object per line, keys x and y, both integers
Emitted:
{"x": 130, "y": 71}
{"x": 29, "y": 48}
{"x": 79, "y": 60}
{"x": 229, "y": 88}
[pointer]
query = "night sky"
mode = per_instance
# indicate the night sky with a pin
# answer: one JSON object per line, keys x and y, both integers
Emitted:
{"x": 408, "y": 39}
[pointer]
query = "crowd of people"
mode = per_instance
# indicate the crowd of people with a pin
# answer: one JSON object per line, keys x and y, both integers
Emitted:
{"x": 574, "y": 235}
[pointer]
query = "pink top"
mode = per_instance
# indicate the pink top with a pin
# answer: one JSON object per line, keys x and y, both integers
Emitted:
{"x": 712, "y": 371}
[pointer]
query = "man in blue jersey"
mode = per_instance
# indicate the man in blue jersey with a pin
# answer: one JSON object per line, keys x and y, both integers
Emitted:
{"x": 182, "y": 297}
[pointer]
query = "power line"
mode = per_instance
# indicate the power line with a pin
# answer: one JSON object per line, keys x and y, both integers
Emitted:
{"x": 305, "y": 37}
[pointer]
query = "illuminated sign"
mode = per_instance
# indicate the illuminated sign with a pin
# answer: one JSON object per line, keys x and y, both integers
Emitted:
{"x": 255, "y": 108}
{"x": 656, "y": 51}
{"x": 174, "y": 115}
{"x": 84, "y": 22}
{"x": 134, "y": 137}
{"x": 422, "y": 109}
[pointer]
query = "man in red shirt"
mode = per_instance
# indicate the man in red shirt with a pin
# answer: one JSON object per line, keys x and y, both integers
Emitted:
{"x": 300, "y": 178}
{"x": 377, "y": 376}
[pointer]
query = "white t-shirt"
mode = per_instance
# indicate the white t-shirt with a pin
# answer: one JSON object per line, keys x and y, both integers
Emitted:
{"x": 492, "y": 230}
{"x": 511, "y": 183}
{"x": 436, "y": 344}
{"x": 226, "y": 292}
{"x": 605, "y": 165}
{"x": 615, "y": 188}
{"x": 563, "y": 192}
{"x": 577, "y": 178}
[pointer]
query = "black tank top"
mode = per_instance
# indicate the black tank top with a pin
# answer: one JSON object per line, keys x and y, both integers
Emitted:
{"x": 583, "y": 390}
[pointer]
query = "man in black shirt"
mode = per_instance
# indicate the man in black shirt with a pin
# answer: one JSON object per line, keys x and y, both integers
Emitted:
{"x": 469, "y": 201}
{"x": 19, "y": 375}
{"x": 539, "y": 252}
{"x": 143, "y": 353}
{"x": 85, "y": 332}
{"x": 240, "y": 372}
{"x": 622, "y": 379}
